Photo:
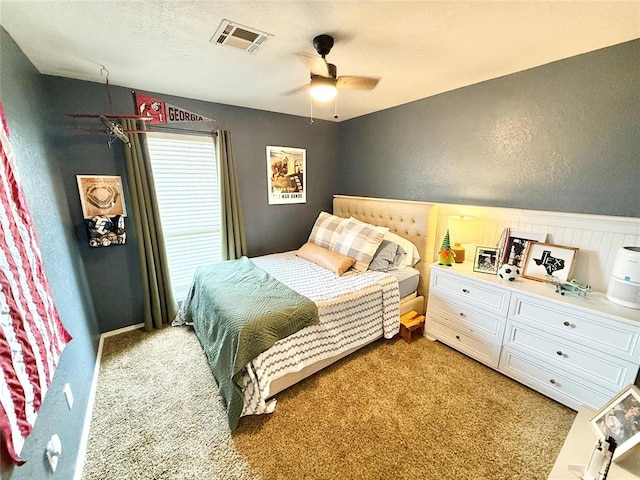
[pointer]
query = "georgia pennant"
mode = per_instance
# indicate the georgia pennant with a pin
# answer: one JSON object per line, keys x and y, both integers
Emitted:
{"x": 157, "y": 111}
{"x": 32, "y": 336}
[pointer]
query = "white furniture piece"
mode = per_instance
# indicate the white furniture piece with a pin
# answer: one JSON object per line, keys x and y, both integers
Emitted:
{"x": 576, "y": 350}
{"x": 577, "y": 448}
{"x": 466, "y": 313}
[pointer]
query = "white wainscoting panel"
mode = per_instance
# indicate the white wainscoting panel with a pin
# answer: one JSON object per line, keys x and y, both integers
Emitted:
{"x": 598, "y": 237}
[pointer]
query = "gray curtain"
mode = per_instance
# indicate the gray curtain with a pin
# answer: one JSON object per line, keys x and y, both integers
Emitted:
{"x": 234, "y": 244}
{"x": 160, "y": 305}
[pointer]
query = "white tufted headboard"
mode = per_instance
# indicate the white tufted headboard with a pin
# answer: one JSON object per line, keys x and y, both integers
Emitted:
{"x": 415, "y": 221}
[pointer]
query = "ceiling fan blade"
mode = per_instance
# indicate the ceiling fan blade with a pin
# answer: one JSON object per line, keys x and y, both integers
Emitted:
{"x": 296, "y": 90}
{"x": 357, "y": 83}
{"x": 316, "y": 65}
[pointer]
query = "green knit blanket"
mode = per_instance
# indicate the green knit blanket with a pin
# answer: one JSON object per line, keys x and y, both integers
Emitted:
{"x": 238, "y": 311}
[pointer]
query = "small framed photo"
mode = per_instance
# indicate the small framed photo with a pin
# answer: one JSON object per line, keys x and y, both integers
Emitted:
{"x": 546, "y": 260}
{"x": 620, "y": 419}
{"x": 515, "y": 244}
{"x": 486, "y": 260}
{"x": 101, "y": 195}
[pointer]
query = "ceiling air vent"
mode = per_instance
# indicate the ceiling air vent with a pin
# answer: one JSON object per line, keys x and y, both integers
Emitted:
{"x": 239, "y": 37}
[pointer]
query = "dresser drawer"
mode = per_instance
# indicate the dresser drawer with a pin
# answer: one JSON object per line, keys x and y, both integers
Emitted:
{"x": 465, "y": 317}
{"x": 610, "y": 372}
{"x": 595, "y": 332}
{"x": 457, "y": 288}
{"x": 553, "y": 383}
{"x": 477, "y": 347}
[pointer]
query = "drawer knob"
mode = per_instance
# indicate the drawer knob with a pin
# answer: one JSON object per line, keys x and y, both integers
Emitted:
{"x": 457, "y": 337}
{"x": 464, "y": 290}
{"x": 568, "y": 324}
{"x": 559, "y": 352}
{"x": 461, "y": 314}
{"x": 552, "y": 381}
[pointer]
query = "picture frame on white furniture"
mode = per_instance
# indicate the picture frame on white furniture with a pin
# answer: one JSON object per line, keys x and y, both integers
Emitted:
{"x": 486, "y": 260}
{"x": 515, "y": 246}
{"x": 620, "y": 419}
{"x": 547, "y": 262}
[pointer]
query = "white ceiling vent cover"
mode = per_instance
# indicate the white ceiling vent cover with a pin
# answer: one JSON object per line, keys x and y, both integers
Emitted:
{"x": 237, "y": 36}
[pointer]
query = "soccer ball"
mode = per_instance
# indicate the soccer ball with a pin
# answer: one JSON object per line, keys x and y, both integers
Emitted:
{"x": 100, "y": 225}
{"x": 508, "y": 272}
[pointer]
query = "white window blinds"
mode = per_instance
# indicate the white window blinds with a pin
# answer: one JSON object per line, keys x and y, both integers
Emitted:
{"x": 185, "y": 173}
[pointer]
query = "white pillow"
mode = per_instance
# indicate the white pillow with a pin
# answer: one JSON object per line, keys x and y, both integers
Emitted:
{"x": 360, "y": 241}
{"x": 382, "y": 230}
{"x": 412, "y": 254}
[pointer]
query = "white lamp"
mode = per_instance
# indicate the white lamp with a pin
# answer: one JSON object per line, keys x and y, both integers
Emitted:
{"x": 323, "y": 89}
{"x": 462, "y": 230}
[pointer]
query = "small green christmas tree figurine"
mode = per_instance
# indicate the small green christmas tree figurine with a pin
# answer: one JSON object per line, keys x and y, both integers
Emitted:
{"x": 446, "y": 255}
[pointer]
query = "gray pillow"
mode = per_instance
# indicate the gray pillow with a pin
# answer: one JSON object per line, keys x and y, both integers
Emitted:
{"x": 385, "y": 257}
{"x": 400, "y": 256}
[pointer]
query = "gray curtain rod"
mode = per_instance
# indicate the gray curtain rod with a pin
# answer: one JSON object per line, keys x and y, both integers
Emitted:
{"x": 157, "y": 128}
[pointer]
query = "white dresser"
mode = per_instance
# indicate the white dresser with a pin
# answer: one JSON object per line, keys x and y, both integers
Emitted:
{"x": 576, "y": 350}
{"x": 467, "y": 314}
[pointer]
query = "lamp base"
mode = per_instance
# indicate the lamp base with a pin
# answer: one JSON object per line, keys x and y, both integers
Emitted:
{"x": 459, "y": 251}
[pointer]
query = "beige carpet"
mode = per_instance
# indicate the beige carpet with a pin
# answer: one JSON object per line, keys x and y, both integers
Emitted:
{"x": 390, "y": 411}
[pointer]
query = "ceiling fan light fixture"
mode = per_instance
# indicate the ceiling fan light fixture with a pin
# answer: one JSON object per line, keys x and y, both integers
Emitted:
{"x": 323, "y": 89}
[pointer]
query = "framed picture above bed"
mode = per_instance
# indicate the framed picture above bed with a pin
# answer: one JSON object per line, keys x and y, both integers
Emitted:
{"x": 286, "y": 175}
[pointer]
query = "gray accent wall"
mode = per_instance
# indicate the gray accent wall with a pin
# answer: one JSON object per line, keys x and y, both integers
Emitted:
{"x": 113, "y": 272}
{"x": 24, "y": 100}
{"x": 561, "y": 137}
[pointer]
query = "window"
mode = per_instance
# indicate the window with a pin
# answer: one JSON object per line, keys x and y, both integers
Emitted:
{"x": 185, "y": 173}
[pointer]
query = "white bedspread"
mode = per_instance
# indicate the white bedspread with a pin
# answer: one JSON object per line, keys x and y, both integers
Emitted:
{"x": 354, "y": 309}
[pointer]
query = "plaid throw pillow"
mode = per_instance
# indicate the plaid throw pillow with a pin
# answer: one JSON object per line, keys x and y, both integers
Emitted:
{"x": 360, "y": 241}
{"x": 327, "y": 229}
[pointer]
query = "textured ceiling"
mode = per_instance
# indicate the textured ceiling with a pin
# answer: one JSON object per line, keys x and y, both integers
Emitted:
{"x": 418, "y": 49}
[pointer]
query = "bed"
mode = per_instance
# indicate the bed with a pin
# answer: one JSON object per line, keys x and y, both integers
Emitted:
{"x": 354, "y": 309}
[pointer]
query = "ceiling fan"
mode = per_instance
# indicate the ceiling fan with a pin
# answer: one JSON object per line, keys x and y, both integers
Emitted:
{"x": 324, "y": 76}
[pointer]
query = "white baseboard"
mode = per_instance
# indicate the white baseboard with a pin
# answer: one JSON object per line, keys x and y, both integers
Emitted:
{"x": 118, "y": 331}
{"x": 84, "y": 440}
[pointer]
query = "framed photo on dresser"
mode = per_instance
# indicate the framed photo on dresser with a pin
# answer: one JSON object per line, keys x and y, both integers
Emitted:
{"x": 547, "y": 262}
{"x": 515, "y": 246}
{"x": 486, "y": 260}
{"x": 620, "y": 419}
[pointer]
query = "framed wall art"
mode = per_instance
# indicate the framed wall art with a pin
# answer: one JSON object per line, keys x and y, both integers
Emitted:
{"x": 620, "y": 419}
{"x": 486, "y": 260}
{"x": 286, "y": 175}
{"x": 516, "y": 245}
{"x": 101, "y": 195}
{"x": 545, "y": 260}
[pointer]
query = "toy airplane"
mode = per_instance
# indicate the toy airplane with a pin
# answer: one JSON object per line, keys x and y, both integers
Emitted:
{"x": 572, "y": 286}
{"x": 114, "y": 128}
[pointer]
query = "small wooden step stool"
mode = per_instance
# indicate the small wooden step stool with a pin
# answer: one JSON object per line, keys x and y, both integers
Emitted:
{"x": 409, "y": 322}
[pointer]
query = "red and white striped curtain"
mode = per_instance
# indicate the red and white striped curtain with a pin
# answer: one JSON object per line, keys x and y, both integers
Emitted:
{"x": 32, "y": 336}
